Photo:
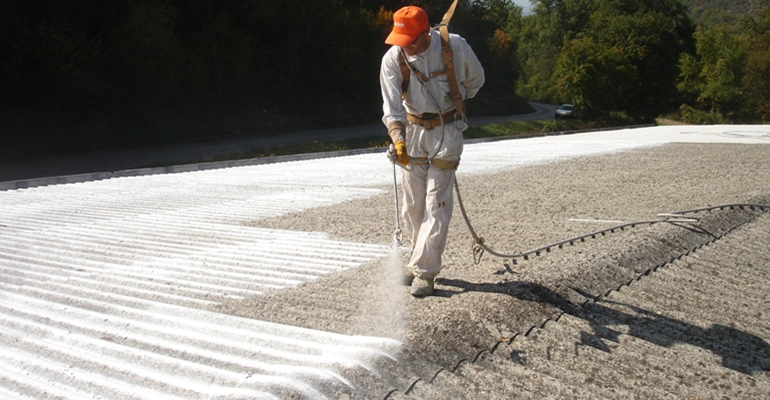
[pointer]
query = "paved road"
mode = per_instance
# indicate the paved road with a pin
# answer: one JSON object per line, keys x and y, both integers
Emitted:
{"x": 110, "y": 161}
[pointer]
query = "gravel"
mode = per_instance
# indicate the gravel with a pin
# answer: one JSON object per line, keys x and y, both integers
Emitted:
{"x": 478, "y": 305}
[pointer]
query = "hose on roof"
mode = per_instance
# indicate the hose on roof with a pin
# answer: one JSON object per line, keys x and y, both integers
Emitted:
{"x": 479, "y": 246}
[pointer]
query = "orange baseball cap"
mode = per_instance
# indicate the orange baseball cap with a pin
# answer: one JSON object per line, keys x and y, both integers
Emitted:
{"x": 408, "y": 23}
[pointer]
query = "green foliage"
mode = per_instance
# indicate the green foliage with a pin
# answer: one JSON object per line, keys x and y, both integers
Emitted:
{"x": 604, "y": 55}
{"x": 81, "y": 75}
{"x": 85, "y": 74}
{"x": 88, "y": 74}
{"x": 48, "y": 63}
{"x": 525, "y": 128}
{"x": 756, "y": 77}
{"x": 714, "y": 77}
{"x": 536, "y": 81}
{"x": 756, "y": 80}
{"x": 694, "y": 116}
{"x": 728, "y": 79}
{"x": 729, "y": 13}
{"x": 148, "y": 56}
{"x": 506, "y": 130}
{"x": 540, "y": 39}
{"x": 595, "y": 77}
{"x": 652, "y": 35}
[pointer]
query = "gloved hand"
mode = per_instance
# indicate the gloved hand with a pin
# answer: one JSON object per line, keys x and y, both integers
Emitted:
{"x": 402, "y": 157}
{"x": 396, "y": 131}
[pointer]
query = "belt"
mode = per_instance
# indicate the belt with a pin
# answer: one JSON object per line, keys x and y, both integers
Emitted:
{"x": 430, "y": 120}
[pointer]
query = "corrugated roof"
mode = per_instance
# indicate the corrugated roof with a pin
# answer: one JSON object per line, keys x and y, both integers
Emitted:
{"x": 109, "y": 289}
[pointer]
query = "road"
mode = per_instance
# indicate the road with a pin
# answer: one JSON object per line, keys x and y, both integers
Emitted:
{"x": 111, "y": 161}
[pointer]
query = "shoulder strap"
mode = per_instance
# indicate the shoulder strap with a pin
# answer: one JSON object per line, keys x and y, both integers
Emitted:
{"x": 447, "y": 57}
{"x": 405, "y": 75}
{"x": 449, "y": 13}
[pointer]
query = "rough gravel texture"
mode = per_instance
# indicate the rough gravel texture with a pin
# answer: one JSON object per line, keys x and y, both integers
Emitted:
{"x": 489, "y": 307}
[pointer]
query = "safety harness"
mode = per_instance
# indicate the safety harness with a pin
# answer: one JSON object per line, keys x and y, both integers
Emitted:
{"x": 430, "y": 121}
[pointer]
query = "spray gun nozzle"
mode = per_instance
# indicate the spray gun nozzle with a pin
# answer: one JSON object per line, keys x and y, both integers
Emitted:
{"x": 397, "y": 238}
{"x": 391, "y": 153}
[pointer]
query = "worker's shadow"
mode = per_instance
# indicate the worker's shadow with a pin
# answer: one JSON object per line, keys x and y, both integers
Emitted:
{"x": 739, "y": 350}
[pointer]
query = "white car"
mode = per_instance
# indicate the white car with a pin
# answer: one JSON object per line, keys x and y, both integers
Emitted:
{"x": 564, "y": 111}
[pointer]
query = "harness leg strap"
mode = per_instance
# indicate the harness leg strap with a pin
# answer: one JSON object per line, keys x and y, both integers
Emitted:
{"x": 437, "y": 162}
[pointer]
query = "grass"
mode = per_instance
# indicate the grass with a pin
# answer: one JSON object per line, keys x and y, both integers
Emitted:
{"x": 515, "y": 129}
{"x": 511, "y": 129}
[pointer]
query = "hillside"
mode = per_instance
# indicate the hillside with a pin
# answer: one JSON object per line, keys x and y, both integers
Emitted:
{"x": 714, "y": 12}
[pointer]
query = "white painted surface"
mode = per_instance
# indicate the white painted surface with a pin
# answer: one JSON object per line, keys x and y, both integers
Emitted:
{"x": 747, "y": 134}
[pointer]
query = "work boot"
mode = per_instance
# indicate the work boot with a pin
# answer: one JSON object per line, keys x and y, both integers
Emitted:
{"x": 421, "y": 287}
{"x": 407, "y": 275}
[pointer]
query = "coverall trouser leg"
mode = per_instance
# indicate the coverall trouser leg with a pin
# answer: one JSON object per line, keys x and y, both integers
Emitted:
{"x": 428, "y": 209}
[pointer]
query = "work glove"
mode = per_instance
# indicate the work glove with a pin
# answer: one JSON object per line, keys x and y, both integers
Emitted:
{"x": 396, "y": 132}
{"x": 402, "y": 157}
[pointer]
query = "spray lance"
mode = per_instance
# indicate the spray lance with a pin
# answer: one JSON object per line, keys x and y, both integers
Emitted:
{"x": 397, "y": 235}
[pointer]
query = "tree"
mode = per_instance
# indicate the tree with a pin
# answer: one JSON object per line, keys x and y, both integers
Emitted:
{"x": 485, "y": 25}
{"x": 714, "y": 75}
{"x": 651, "y": 34}
{"x": 148, "y": 55}
{"x": 641, "y": 37}
{"x": 596, "y": 78}
{"x": 540, "y": 37}
{"x": 756, "y": 71}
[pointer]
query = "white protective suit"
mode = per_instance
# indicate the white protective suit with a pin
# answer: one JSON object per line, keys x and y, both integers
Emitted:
{"x": 428, "y": 200}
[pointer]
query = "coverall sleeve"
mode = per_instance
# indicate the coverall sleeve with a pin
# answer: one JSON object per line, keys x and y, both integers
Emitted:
{"x": 471, "y": 72}
{"x": 390, "y": 84}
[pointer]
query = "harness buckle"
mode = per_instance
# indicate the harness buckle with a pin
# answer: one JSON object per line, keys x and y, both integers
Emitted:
{"x": 459, "y": 121}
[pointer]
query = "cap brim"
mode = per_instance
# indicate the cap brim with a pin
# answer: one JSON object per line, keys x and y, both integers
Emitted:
{"x": 400, "y": 40}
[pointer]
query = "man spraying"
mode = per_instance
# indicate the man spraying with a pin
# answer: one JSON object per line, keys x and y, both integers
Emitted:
{"x": 425, "y": 79}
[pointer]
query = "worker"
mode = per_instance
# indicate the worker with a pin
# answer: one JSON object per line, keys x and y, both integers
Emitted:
{"x": 425, "y": 118}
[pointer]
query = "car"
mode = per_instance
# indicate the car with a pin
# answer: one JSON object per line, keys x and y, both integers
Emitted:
{"x": 564, "y": 111}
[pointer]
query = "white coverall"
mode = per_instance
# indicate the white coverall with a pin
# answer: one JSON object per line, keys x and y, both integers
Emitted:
{"x": 428, "y": 200}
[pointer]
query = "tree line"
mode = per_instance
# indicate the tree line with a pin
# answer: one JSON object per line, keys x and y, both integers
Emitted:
{"x": 82, "y": 75}
{"x": 710, "y": 13}
{"x": 637, "y": 59}
{"x": 89, "y": 75}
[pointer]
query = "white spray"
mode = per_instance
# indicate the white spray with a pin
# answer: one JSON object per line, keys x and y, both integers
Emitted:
{"x": 390, "y": 292}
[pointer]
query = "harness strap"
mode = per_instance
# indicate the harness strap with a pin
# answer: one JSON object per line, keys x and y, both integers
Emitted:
{"x": 436, "y": 162}
{"x": 449, "y": 13}
{"x": 406, "y": 68}
{"x": 404, "y": 74}
{"x": 430, "y": 121}
{"x": 447, "y": 57}
{"x": 444, "y": 164}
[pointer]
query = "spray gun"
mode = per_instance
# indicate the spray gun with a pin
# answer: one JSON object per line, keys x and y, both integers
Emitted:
{"x": 397, "y": 235}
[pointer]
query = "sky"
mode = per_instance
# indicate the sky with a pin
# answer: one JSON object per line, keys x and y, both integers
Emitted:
{"x": 525, "y": 5}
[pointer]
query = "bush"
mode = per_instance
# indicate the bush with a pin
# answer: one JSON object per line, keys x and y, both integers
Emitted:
{"x": 697, "y": 117}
